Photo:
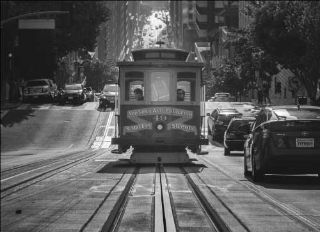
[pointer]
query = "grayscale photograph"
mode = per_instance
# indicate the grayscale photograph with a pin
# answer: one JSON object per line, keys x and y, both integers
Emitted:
{"x": 160, "y": 116}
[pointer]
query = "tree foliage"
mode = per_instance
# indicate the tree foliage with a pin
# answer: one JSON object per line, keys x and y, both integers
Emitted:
{"x": 96, "y": 73}
{"x": 76, "y": 30}
{"x": 290, "y": 32}
{"x": 225, "y": 79}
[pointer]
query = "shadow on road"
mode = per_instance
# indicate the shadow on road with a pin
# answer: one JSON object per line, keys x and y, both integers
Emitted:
{"x": 121, "y": 165}
{"x": 16, "y": 116}
{"x": 294, "y": 182}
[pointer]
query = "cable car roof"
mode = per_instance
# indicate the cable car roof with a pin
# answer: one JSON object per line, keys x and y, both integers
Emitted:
{"x": 160, "y": 54}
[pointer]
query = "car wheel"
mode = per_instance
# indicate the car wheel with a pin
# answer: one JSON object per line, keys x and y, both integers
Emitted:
{"x": 257, "y": 175}
{"x": 226, "y": 151}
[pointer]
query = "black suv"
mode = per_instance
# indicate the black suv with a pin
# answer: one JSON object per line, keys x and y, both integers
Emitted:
{"x": 218, "y": 121}
{"x": 236, "y": 134}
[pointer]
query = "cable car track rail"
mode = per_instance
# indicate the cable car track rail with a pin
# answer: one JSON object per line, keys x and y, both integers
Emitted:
{"x": 282, "y": 208}
{"x": 25, "y": 179}
{"x": 157, "y": 190}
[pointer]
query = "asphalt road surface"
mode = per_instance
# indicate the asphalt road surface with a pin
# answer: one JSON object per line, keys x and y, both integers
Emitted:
{"x": 58, "y": 174}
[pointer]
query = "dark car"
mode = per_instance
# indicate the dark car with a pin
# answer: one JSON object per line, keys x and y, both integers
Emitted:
{"x": 72, "y": 93}
{"x": 108, "y": 95}
{"x": 218, "y": 121}
{"x": 89, "y": 94}
{"x": 236, "y": 134}
{"x": 40, "y": 89}
{"x": 284, "y": 139}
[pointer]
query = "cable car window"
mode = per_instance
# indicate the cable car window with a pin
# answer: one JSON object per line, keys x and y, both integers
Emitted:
{"x": 134, "y": 86}
{"x": 186, "y": 83}
{"x": 160, "y": 86}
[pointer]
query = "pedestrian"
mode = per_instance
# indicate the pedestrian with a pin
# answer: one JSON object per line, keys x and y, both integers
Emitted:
{"x": 265, "y": 89}
{"x": 138, "y": 94}
{"x": 180, "y": 95}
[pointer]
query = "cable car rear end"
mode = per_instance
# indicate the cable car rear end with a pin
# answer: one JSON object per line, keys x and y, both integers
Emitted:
{"x": 160, "y": 113}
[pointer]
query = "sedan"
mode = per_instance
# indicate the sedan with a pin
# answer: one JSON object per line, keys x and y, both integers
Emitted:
{"x": 284, "y": 139}
{"x": 236, "y": 134}
{"x": 72, "y": 93}
{"x": 218, "y": 121}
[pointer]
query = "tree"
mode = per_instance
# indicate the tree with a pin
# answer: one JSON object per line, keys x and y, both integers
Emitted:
{"x": 77, "y": 30}
{"x": 225, "y": 79}
{"x": 290, "y": 32}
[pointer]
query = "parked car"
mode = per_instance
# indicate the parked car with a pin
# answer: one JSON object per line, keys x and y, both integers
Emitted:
{"x": 108, "y": 95}
{"x": 89, "y": 94}
{"x": 72, "y": 93}
{"x": 284, "y": 139}
{"x": 221, "y": 97}
{"x": 218, "y": 121}
{"x": 40, "y": 89}
{"x": 236, "y": 134}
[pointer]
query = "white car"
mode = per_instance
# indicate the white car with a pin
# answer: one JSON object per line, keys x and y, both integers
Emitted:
{"x": 40, "y": 88}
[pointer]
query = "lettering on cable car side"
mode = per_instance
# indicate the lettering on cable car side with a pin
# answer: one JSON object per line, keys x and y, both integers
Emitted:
{"x": 143, "y": 124}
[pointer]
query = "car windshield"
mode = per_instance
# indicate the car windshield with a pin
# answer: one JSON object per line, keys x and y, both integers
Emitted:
{"x": 36, "y": 83}
{"x": 73, "y": 87}
{"x": 110, "y": 88}
{"x": 229, "y": 111}
{"x": 222, "y": 95}
{"x": 298, "y": 114}
{"x": 225, "y": 118}
{"x": 241, "y": 125}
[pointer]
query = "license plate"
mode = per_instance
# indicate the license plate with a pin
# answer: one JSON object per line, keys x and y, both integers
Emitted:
{"x": 70, "y": 98}
{"x": 35, "y": 96}
{"x": 304, "y": 142}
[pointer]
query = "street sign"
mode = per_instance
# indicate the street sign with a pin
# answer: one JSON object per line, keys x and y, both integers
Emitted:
{"x": 36, "y": 24}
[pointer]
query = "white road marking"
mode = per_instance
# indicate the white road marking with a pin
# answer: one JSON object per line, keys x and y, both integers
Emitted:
{"x": 105, "y": 140}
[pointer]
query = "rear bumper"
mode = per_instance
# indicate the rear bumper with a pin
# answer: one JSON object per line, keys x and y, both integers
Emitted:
{"x": 36, "y": 95}
{"x": 234, "y": 144}
{"x": 293, "y": 161}
{"x": 143, "y": 142}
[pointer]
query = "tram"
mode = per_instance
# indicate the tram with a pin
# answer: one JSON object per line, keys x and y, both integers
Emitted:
{"x": 160, "y": 108}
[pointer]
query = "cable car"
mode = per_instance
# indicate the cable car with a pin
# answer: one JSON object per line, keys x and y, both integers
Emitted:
{"x": 161, "y": 106}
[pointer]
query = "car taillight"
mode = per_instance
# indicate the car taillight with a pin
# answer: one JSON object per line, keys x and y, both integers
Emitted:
{"x": 265, "y": 133}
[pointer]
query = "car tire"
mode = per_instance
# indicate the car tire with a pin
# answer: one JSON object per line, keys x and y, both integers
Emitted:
{"x": 257, "y": 175}
{"x": 226, "y": 151}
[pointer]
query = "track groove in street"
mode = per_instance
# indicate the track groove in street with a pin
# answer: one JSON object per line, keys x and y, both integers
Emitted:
{"x": 28, "y": 180}
{"x": 282, "y": 208}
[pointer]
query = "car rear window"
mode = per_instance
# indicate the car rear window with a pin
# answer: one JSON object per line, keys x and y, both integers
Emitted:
{"x": 73, "y": 87}
{"x": 240, "y": 125}
{"x": 36, "y": 83}
{"x": 110, "y": 88}
{"x": 298, "y": 114}
{"x": 226, "y": 118}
